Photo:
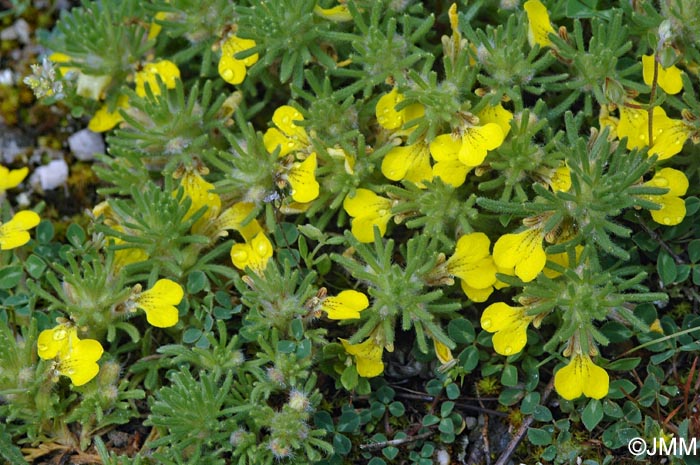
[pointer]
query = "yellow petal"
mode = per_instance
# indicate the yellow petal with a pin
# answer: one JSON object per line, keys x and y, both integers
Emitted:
{"x": 200, "y": 193}
{"x": 498, "y": 115}
{"x": 104, "y": 120}
{"x": 669, "y": 79}
{"x": 452, "y": 172}
{"x": 410, "y": 162}
{"x": 539, "y": 25}
{"x": 509, "y": 324}
{"x": 669, "y": 137}
{"x": 445, "y": 147}
{"x": 14, "y": 233}
{"x": 477, "y": 141}
{"x": 386, "y": 113}
{"x": 634, "y": 124}
{"x": 337, "y": 14}
{"x": 368, "y": 210}
{"x": 234, "y": 218}
{"x": 155, "y": 28}
{"x": 53, "y": 341}
{"x": 90, "y": 86}
{"x": 443, "y": 353}
{"x": 148, "y": 76}
{"x": 302, "y": 178}
{"x": 231, "y": 70}
{"x": 254, "y": 254}
{"x": 80, "y": 364}
{"x": 159, "y": 303}
{"x": 286, "y": 118}
{"x": 346, "y": 305}
{"x": 672, "y": 210}
{"x": 11, "y": 178}
{"x": 522, "y": 251}
{"x": 476, "y": 295}
{"x": 561, "y": 180}
{"x": 368, "y": 357}
{"x": 672, "y": 179}
{"x": 581, "y": 376}
{"x": 471, "y": 261}
{"x": 235, "y": 44}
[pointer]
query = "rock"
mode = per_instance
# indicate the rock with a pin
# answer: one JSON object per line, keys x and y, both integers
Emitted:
{"x": 50, "y": 176}
{"x": 85, "y": 144}
{"x": 18, "y": 31}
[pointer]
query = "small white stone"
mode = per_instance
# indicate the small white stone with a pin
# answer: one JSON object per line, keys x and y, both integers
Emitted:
{"x": 85, "y": 144}
{"x": 50, "y": 176}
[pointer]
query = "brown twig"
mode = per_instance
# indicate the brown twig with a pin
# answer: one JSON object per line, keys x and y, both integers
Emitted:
{"x": 395, "y": 442}
{"x": 510, "y": 448}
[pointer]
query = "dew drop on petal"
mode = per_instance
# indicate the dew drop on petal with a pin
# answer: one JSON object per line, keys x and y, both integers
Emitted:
{"x": 70, "y": 371}
{"x": 59, "y": 334}
{"x": 42, "y": 347}
{"x": 227, "y": 74}
{"x": 667, "y": 220}
{"x": 241, "y": 255}
{"x": 508, "y": 350}
{"x": 486, "y": 324}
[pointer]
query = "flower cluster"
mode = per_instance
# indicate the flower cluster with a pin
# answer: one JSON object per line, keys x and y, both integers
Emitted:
{"x": 76, "y": 358}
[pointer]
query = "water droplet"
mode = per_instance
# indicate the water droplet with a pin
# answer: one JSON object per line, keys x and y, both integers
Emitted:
{"x": 241, "y": 256}
{"x": 285, "y": 120}
{"x": 261, "y": 249}
{"x": 508, "y": 350}
{"x": 486, "y": 324}
{"x": 70, "y": 371}
{"x": 227, "y": 74}
{"x": 59, "y": 334}
{"x": 42, "y": 347}
{"x": 381, "y": 212}
{"x": 667, "y": 220}
{"x": 386, "y": 111}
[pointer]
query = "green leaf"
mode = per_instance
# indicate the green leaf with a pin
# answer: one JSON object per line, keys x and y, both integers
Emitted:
{"x": 694, "y": 250}
{"x": 376, "y": 461}
{"x": 666, "y": 267}
{"x": 539, "y": 437}
{"x": 35, "y": 266}
{"x": 592, "y": 414}
{"x": 510, "y": 396}
{"x": 461, "y": 331}
{"x": 297, "y": 329}
{"x": 286, "y": 347}
{"x": 8, "y": 450}
{"x": 397, "y": 409}
{"x": 75, "y": 234}
{"x": 509, "y": 376}
{"x": 452, "y": 391}
{"x": 324, "y": 420}
{"x": 446, "y": 408}
{"x": 390, "y": 452}
{"x": 469, "y": 358}
{"x": 10, "y": 276}
{"x": 430, "y": 420}
{"x": 624, "y": 364}
{"x": 196, "y": 282}
{"x": 191, "y": 335}
{"x": 341, "y": 444}
{"x": 349, "y": 378}
{"x": 542, "y": 414}
{"x": 348, "y": 422}
{"x": 530, "y": 401}
{"x": 44, "y": 232}
{"x": 446, "y": 426}
{"x": 581, "y": 8}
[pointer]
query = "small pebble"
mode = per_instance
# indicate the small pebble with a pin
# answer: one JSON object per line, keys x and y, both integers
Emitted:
{"x": 85, "y": 144}
{"x": 50, "y": 176}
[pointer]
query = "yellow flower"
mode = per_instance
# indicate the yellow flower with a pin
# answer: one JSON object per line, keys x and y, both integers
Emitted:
{"x": 155, "y": 28}
{"x": 581, "y": 376}
{"x": 232, "y": 69}
{"x": 445, "y": 151}
{"x": 472, "y": 262}
{"x": 498, "y": 115}
{"x": 254, "y": 254}
{"x": 77, "y": 358}
{"x": 411, "y": 162}
{"x": 104, "y": 120}
{"x": 126, "y": 256}
{"x": 539, "y": 25}
{"x": 367, "y": 210}
{"x": 11, "y": 178}
{"x": 443, "y": 353}
{"x": 390, "y": 118}
{"x": 522, "y": 252}
{"x": 672, "y": 209}
{"x": 561, "y": 259}
{"x": 159, "y": 303}
{"x": 561, "y": 179}
{"x": 669, "y": 79}
{"x": 200, "y": 193}
{"x": 509, "y": 324}
{"x": 91, "y": 86}
{"x": 669, "y": 134}
{"x": 368, "y": 357}
{"x": 235, "y": 218}
{"x": 345, "y": 306}
{"x": 302, "y": 179}
{"x": 286, "y": 135}
{"x": 58, "y": 57}
{"x": 148, "y": 76}
{"x": 477, "y": 141}
{"x": 337, "y": 14}
{"x": 14, "y": 233}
